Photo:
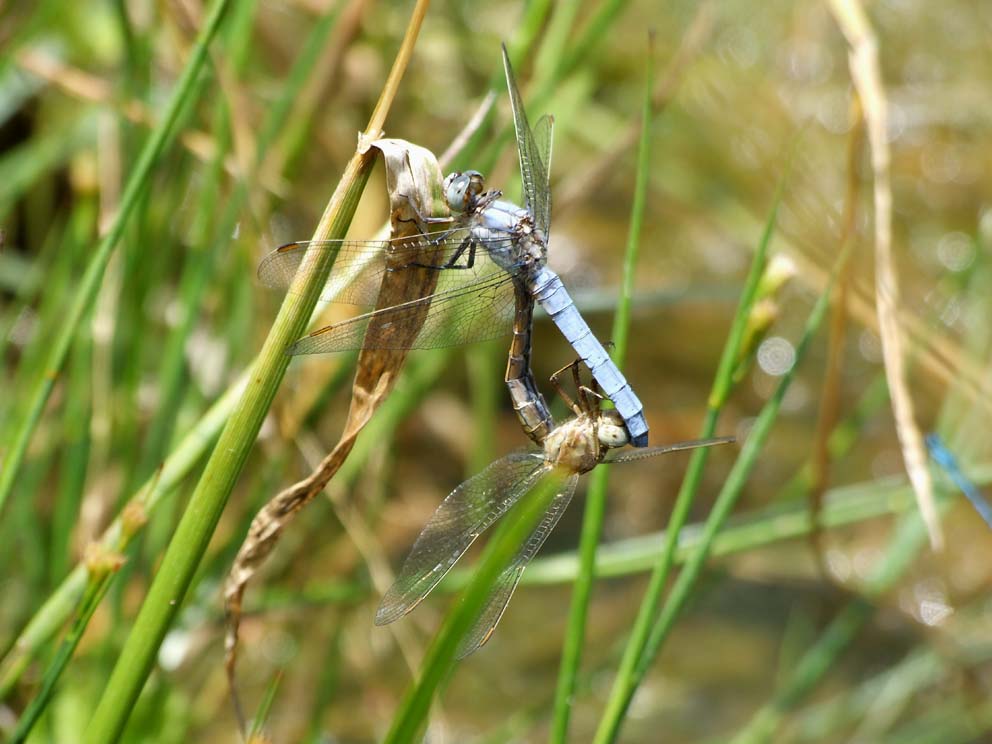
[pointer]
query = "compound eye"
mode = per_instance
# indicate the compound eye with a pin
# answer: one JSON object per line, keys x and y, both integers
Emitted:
{"x": 455, "y": 191}
{"x": 612, "y": 436}
{"x": 612, "y": 432}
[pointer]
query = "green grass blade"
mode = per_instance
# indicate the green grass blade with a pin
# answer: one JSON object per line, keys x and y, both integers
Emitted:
{"x": 412, "y": 715}
{"x": 179, "y": 463}
{"x": 95, "y": 589}
{"x": 89, "y": 284}
{"x": 592, "y": 522}
{"x": 625, "y": 685}
{"x": 690, "y": 483}
{"x": 59, "y": 606}
{"x": 227, "y": 460}
{"x": 911, "y": 537}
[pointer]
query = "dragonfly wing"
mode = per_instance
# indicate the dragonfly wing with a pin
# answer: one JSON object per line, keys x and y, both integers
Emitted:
{"x": 464, "y": 515}
{"x": 628, "y": 456}
{"x": 503, "y": 588}
{"x": 544, "y": 139}
{"x": 473, "y": 312}
{"x": 533, "y": 171}
{"x": 354, "y": 278}
{"x": 359, "y": 264}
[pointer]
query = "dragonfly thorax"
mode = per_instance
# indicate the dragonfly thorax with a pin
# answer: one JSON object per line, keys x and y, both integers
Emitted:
{"x": 580, "y": 444}
{"x": 574, "y": 446}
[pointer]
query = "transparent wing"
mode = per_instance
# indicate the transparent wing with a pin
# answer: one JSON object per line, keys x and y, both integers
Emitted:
{"x": 360, "y": 264}
{"x": 629, "y": 456}
{"x": 464, "y": 515}
{"x": 533, "y": 170}
{"x": 449, "y": 317}
{"x": 544, "y": 140}
{"x": 503, "y": 588}
{"x": 357, "y": 270}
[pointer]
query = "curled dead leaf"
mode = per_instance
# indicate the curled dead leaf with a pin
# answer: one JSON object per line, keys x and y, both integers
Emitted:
{"x": 415, "y": 186}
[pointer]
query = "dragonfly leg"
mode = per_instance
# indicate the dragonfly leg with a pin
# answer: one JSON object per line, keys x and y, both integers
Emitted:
{"x": 421, "y": 218}
{"x": 451, "y": 263}
{"x": 573, "y": 366}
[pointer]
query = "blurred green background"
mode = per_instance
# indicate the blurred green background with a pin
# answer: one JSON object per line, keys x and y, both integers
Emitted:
{"x": 742, "y": 88}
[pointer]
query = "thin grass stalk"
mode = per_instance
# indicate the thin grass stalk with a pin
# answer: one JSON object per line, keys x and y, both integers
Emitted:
{"x": 59, "y": 606}
{"x": 201, "y": 259}
{"x": 725, "y": 501}
{"x": 592, "y": 521}
{"x": 78, "y": 409}
{"x": 222, "y": 470}
{"x": 866, "y": 75}
{"x": 619, "y": 697}
{"x": 849, "y": 506}
{"x": 911, "y": 537}
{"x": 90, "y": 282}
{"x": 96, "y": 588}
{"x": 184, "y": 457}
{"x": 412, "y": 715}
{"x": 197, "y": 273}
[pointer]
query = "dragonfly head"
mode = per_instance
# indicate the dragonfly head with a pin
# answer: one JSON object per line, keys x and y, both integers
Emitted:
{"x": 610, "y": 429}
{"x": 462, "y": 189}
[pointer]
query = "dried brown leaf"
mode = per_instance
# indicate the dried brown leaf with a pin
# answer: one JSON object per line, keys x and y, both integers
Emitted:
{"x": 414, "y": 183}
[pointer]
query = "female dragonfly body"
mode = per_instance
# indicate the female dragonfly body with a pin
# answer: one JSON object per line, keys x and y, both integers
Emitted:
{"x": 477, "y": 290}
{"x": 568, "y": 450}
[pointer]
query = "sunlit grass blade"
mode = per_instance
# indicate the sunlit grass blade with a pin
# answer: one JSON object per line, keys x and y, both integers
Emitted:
{"x": 411, "y": 718}
{"x": 866, "y": 75}
{"x": 228, "y": 458}
{"x": 910, "y": 538}
{"x": 89, "y": 284}
{"x": 59, "y": 605}
{"x": 690, "y": 483}
{"x": 625, "y": 685}
{"x": 592, "y": 521}
{"x": 96, "y": 587}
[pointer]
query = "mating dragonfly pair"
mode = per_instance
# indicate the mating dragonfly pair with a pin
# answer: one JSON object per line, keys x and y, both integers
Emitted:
{"x": 492, "y": 265}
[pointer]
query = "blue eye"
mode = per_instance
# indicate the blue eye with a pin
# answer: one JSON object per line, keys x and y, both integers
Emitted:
{"x": 455, "y": 193}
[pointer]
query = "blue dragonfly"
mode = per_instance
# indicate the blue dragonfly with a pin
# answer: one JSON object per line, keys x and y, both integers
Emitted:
{"x": 491, "y": 259}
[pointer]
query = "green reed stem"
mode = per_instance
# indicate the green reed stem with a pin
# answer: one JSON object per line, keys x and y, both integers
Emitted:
{"x": 592, "y": 522}
{"x": 625, "y": 685}
{"x": 198, "y": 522}
{"x": 911, "y": 536}
{"x": 412, "y": 715}
{"x": 626, "y": 679}
{"x": 90, "y": 282}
